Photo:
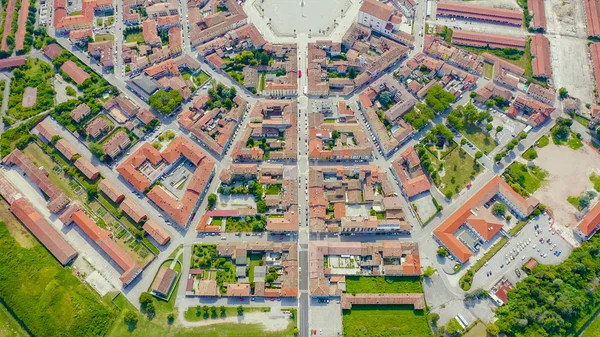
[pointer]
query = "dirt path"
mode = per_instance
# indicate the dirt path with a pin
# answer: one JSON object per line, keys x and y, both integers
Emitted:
{"x": 272, "y": 321}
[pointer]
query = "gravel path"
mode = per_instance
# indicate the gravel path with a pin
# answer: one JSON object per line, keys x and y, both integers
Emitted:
{"x": 272, "y": 321}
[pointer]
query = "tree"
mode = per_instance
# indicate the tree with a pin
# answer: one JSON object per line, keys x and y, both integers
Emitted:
{"x": 165, "y": 102}
{"x": 335, "y": 134}
{"x": 489, "y": 127}
{"x": 454, "y": 327}
{"x": 442, "y": 251}
{"x": 499, "y": 128}
{"x": 212, "y": 200}
{"x": 170, "y": 318}
{"x": 473, "y": 94}
{"x": 499, "y": 209}
{"x": 448, "y": 194}
{"x": 145, "y": 298}
{"x": 478, "y": 154}
{"x": 352, "y": 73}
{"x": 96, "y": 149}
{"x": 493, "y": 329}
{"x": 223, "y": 310}
{"x": 434, "y": 318}
{"x": 91, "y": 191}
{"x": 429, "y": 271}
{"x": 490, "y": 103}
{"x": 386, "y": 99}
{"x": 261, "y": 206}
{"x": 240, "y": 310}
{"x": 563, "y": 93}
{"x": 150, "y": 309}
{"x": 55, "y": 139}
{"x": 130, "y": 317}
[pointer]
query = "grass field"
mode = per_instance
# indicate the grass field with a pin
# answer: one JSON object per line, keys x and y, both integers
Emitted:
{"x": 458, "y": 166}
{"x": 159, "y": 326}
{"x": 529, "y": 178}
{"x": 479, "y": 138}
{"x": 201, "y": 78}
{"x": 383, "y": 284}
{"x": 104, "y": 37}
{"x": 136, "y": 37}
{"x": 9, "y": 327}
{"x": 47, "y": 297}
{"x": 255, "y": 260}
{"x": 488, "y": 70}
{"x": 593, "y": 330}
{"x": 543, "y": 141}
{"x": 195, "y": 314}
{"x": 595, "y": 179}
{"x": 382, "y": 320}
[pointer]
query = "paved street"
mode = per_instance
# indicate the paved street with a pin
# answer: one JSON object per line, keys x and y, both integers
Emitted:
{"x": 441, "y": 290}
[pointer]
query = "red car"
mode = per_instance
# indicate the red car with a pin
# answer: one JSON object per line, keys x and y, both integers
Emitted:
{"x": 299, "y": 73}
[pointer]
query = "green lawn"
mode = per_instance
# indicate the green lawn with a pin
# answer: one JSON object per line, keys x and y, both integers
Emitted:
{"x": 595, "y": 179}
{"x": 47, "y": 297}
{"x": 201, "y": 78}
{"x": 523, "y": 177}
{"x": 458, "y": 168}
{"x": 593, "y": 330}
{"x": 483, "y": 141}
{"x": 383, "y": 284}
{"x": 543, "y": 141}
{"x": 273, "y": 189}
{"x": 581, "y": 120}
{"x": 383, "y": 320}
{"x": 195, "y": 314}
{"x": 488, "y": 70}
{"x": 104, "y": 37}
{"x": 574, "y": 200}
{"x": 9, "y": 327}
{"x": 573, "y": 142}
{"x": 530, "y": 154}
{"x": 255, "y": 260}
{"x": 135, "y": 37}
{"x": 159, "y": 326}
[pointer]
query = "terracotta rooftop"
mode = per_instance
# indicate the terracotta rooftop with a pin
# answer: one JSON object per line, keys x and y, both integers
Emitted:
{"x": 377, "y": 9}
{"x": 540, "y": 50}
{"x": 74, "y": 71}
{"x": 476, "y": 39}
{"x": 589, "y": 223}
{"x": 499, "y": 15}
{"x": 156, "y": 232}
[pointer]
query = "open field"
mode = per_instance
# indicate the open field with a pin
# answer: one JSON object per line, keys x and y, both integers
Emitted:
{"x": 565, "y": 178}
{"x": 482, "y": 140}
{"x": 383, "y": 284}
{"x": 593, "y": 330}
{"x": 9, "y": 327}
{"x": 384, "y": 320}
{"x": 46, "y": 297}
{"x": 458, "y": 167}
{"x": 159, "y": 326}
{"x": 528, "y": 178}
{"x": 195, "y": 314}
{"x": 15, "y": 228}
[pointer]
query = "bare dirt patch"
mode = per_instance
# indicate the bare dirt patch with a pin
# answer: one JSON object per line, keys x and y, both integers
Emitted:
{"x": 569, "y": 173}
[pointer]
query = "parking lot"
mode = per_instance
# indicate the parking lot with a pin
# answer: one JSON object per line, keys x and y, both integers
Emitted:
{"x": 519, "y": 249}
{"x": 424, "y": 204}
{"x": 325, "y": 317}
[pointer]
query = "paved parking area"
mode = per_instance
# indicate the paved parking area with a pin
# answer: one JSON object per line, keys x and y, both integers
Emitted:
{"x": 521, "y": 249}
{"x": 326, "y": 318}
{"x": 425, "y": 206}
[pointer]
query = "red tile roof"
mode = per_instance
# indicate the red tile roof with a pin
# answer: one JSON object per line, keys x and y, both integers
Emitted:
{"x": 507, "y": 16}
{"x": 476, "y": 39}
{"x": 43, "y": 231}
{"x": 102, "y": 238}
{"x": 540, "y": 50}
{"x": 592, "y": 11}
{"x": 377, "y": 9}
{"x": 22, "y": 22}
{"x": 156, "y": 232}
{"x": 133, "y": 210}
{"x": 537, "y": 8}
{"x": 111, "y": 190}
{"x": 65, "y": 148}
{"x": 89, "y": 171}
{"x": 590, "y": 222}
{"x": 39, "y": 176}
{"x": 595, "y": 53}
{"x": 445, "y": 231}
{"x": 52, "y": 51}
{"x": 74, "y": 71}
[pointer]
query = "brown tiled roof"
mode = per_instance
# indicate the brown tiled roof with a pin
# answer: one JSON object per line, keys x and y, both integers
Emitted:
{"x": 111, "y": 190}
{"x": 74, "y": 71}
{"x": 499, "y": 15}
{"x": 102, "y": 238}
{"x": 592, "y": 11}
{"x": 537, "y": 8}
{"x": 540, "y": 50}
{"x": 89, "y": 171}
{"x": 163, "y": 281}
{"x": 135, "y": 212}
{"x": 590, "y": 222}
{"x": 65, "y": 148}
{"x": 377, "y": 9}
{"x": 43, "y": 231}
{"x": 52, "y": 51}
{"x": 156, "y": 232}
{"x": 238, "y": 290}
{"x": 477, "y": 39}
{"x": 80, "y": 111}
